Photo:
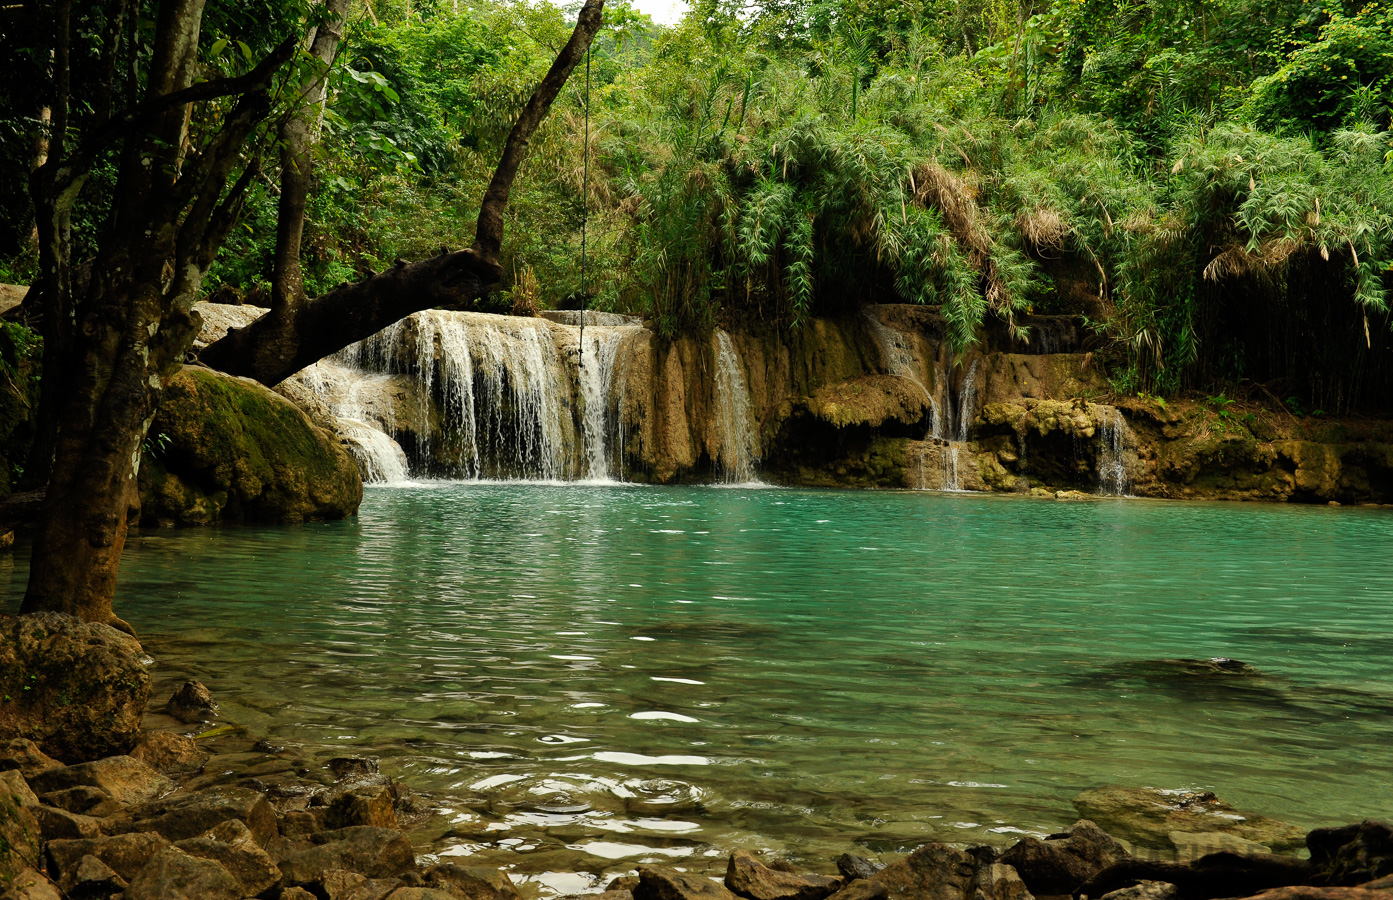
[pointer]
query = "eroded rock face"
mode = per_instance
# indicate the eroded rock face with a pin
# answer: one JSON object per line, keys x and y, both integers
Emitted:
{"x": 75, "y": 689}
{"x": 1148, "y": 816}
{"x": 1061, "y": 863}
{"x": 231, "y": 450}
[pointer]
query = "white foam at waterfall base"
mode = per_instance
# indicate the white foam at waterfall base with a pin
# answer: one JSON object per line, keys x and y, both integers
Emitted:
{"x": 1115, "y": 438}
{"x": 739, "y": 448}
{"x": 380, "y": 459}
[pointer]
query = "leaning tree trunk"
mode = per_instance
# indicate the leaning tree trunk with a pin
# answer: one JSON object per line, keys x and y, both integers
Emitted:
{"x": 132, "y": 321}
{"x": 290, "y": 337}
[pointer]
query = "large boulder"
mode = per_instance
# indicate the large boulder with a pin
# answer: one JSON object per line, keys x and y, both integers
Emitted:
{"x": 76, "y": 689}
{"x": 183, "y": 816}
{"x": 232, "y": 450}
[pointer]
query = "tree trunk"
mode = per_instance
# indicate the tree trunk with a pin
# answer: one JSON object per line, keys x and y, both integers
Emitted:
{"x": 297, "y": 141}
{"x": 126, "y": 330}
{"x": 286, "y": 339}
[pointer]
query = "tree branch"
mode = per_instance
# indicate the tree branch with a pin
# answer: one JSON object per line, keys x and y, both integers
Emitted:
{"x": 488, "y": 236}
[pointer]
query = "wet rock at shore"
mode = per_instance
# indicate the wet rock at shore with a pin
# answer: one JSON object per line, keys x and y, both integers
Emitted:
{"x": 76, "y": 689}
{"x": 747, "y": 877}
{"x": 169, "y": 753}
{"x": 175, "y": 875}
{"x": 192, "y": 703}
{"x": 853, "y": 867}
{"x": 184, "y": 816}
{"x": 1062, "y": 862}
{"x": 25, "y": 756}
{"x": 1148, "y": 816}
{"x": 939, "y": 872}
{"x": 123, "y": 779}
{"x": 232, "y": 846}
{"x": 663, "y": 883}
{"x": 372, "y": 852}
{"x": 1352, "y": 854}
{"x": 472, "y": 882}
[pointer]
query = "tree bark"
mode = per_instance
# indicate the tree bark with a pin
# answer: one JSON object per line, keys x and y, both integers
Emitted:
{"x": 126, "y": 330}
{"x": 286, "y": 339}
{"x": 297, "y": 140}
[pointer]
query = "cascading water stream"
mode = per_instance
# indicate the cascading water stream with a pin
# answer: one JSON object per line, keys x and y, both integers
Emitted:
{"x": 739, "y": 448}
{"x": 600, "y": 406}
{"x": 1115, "y": 438}
{"x": 362, "y": 404}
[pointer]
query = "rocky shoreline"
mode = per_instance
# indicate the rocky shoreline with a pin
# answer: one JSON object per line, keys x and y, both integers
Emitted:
{"x": 146, "y": 803}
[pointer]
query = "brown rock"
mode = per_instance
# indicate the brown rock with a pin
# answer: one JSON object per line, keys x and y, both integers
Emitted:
{"x": 19, "y": 832}
{"x": 59, "y": 824}
{"x": 298, "y": 823}
{"x": 939, "y": 872}
{"x": 30, "y": 884}
{"x": 295, "y": 893}
{"x": 128, "y": 781}
{"x": 1145, "y": 890}
{"x": 348, "y": 768}
{"x": 184, "y": 816}
{"x": 853, "y": 867}
{"x": 862, "y": 889}
{"x": 748, "y": 877}
{"x": 1061, "y": 863}
{"x": 192, "y": 703}
{"x": 76, "y": 689}
{"x": 1148, "y": 816}
{"x": 88, "y": 801}
{"x": 1312, "y": 892}
{"x": 174, "y": 875}
{"x": 92, "y": 878}
{"x": 472, "y": 882}
{"x": 622, "y": 883}
{"x": 374, "y": 852}
{"x": 663, "y": 883}
{"x": 363, "y": 805}
{"x": 1351, "y": 854}
{"x": 611, "y": 895}
{"x": 13, "y": 785}
{"x": 420, "y": 893}
{"x": 231, "y": 845}
{"x": 169, "y": 753}
{"x": 25, "y": 755}
{"x": 126, "y": 854}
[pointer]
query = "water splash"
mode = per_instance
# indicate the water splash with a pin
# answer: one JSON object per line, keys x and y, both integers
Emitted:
{"x": 739, "y": 448}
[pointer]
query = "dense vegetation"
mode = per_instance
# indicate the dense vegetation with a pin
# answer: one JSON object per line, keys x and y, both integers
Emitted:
{"x": 1209, "y": 183}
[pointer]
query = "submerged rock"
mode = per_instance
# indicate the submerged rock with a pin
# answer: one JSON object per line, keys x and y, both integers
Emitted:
{"x": 1149, "y": 816}
{"x": 76, "y": 689}
{"x": 231, "y": 450}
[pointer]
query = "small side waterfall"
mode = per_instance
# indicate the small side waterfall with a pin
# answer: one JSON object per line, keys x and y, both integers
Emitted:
{"x": 1115, "y": 440}
{"x": 950, "y": 416}
{"x": 739, "y": 449}
{"x": 365, "y": 411}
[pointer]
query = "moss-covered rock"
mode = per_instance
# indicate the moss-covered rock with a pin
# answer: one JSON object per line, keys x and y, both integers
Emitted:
{"x": 231, "y": 450}
{"x": 76, "y": 689}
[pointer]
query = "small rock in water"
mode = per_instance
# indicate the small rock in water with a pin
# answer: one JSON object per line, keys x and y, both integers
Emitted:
{"x": 853, "y": 867}
{"x": 192, "y": 703}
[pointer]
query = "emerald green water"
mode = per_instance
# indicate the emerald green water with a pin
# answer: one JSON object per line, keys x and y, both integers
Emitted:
{"x": 633, "y": 672}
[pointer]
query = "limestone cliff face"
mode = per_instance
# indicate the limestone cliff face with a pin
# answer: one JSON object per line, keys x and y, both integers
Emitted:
{"x": 873, "y": 400}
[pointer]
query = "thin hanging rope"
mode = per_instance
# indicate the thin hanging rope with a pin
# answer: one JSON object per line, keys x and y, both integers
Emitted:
{"x": 585, "y": 214}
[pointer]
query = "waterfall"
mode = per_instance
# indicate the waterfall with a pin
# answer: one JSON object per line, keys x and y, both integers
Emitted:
{"x": 739, "y": 449}
{"x": 600, "y": 408}
{"x": 1115, "y": 439}
{"x": 363, "y": 410}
